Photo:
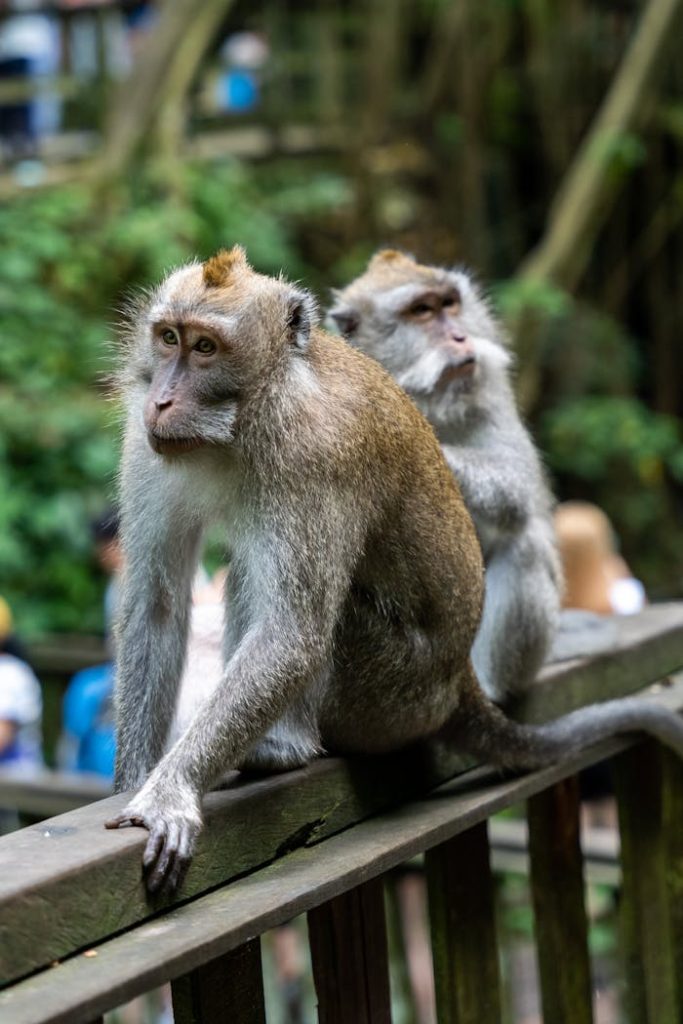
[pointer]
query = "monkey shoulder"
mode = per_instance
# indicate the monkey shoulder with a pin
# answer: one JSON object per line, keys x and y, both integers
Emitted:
{"x": 361, "y": 397}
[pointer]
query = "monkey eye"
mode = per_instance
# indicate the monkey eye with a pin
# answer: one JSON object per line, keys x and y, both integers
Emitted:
{"x": 169, "y": 337}
{"x": 421, "y": 309}
{"x": 205, "y": 346}
{"x": 449, "y": 301}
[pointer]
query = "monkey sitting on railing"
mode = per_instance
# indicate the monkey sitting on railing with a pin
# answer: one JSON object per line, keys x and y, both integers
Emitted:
{"x": 356, "y": 578}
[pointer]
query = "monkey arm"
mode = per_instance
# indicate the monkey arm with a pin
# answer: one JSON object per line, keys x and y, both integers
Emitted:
{"x": 494, "y": 483}
{"x": 161, "y": 553}
{"x": 294, "y": 608}
{"x": 268, "y": 670}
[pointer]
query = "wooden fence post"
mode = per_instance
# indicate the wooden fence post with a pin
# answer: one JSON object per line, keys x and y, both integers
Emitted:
{"x": 348, "y": 942}
{"x": 462, "y": 917}
{"x": 651, "y": 857}
{"x": 559, "y": 911}
{"x": 227, "y": 988}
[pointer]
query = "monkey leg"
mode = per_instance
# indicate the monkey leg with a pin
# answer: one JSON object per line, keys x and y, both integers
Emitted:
{"x": 290, "y": 743}
{"x": 521, "y": 607}
{"x": 390, "y": 687}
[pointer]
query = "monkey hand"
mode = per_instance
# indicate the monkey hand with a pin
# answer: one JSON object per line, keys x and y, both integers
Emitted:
{"x": 171, "y": 811}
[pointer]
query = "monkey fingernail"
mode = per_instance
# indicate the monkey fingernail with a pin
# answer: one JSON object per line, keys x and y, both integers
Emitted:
{"x": 154, "y": 847}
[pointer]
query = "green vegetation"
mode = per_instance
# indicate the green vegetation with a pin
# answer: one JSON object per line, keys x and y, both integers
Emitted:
{"x": 67, "y": 266}
{"x": 454, "y": 131}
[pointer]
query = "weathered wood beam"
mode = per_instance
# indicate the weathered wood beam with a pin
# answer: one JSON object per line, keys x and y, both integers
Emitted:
{"x": 463, "y": 927}
{"x": 44, "y": 916}
{"x": 229, "y": 987}
{"x": 248, "y": 824}
{"x": 644, "y": 644}
{"x": 561, "y": 926}
{"x": 651, "y": 877}
{"x": 348, "y": 939}
{"x": 184, "y": 937}
{"x": 47, "y": 793}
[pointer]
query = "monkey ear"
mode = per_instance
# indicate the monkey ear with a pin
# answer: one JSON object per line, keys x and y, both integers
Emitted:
{"x": 302, "y": 315}
{"x": 346, "y": 320}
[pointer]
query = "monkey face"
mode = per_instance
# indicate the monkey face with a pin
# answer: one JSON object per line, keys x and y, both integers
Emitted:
{"x": 193, "y": 375}
{"x": 432, "y": 347}
{"x": 428, "y": 326}
{"x": 203, "y": 342}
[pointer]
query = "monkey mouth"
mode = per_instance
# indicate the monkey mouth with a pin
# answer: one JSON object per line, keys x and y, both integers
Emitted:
{"x": 174, "y": 445}
{"x": 457, "y": 371}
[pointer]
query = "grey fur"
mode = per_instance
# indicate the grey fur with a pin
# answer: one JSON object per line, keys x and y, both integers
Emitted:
{"x": 490, "y": 453}
{"x": 356, "y": 580}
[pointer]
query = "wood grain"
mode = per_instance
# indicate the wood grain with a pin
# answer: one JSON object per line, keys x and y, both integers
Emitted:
{"x": 463, "y": 927}
{"x": 561, "y": 927}
{"x": 348, "y": 940}
{"x": 68, "y": 884}
{"x": 227, "y": 988}
{"x": 75, "y": 991}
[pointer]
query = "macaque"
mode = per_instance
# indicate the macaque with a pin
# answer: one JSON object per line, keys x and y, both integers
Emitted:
{"x": 432, "y": 330}
{"x": 356, "y": 579}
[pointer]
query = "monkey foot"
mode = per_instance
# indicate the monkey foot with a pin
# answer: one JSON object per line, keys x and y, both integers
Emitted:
{"x": 172, "y": 837}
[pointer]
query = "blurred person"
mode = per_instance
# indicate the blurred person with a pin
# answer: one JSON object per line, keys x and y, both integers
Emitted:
{"x": 597, "y": 578}
{"x": 204, "y": 659}
{"x": 597, "y": 581}
{"x": 30, "y": 49}
{"x": 109, "y": 555}
{"x": 243, "y": 56}
{"x": 21, "y": 703}
{"x": 88, "y": 742}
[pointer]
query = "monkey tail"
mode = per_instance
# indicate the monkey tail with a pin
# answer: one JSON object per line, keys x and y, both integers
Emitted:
{"x": 479, "y": 728}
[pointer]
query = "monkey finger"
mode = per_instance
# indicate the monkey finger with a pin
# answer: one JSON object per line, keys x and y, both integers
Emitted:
{"x": 154, "y": 846}
{"x": 176, "y": 876}
{"x": 183, "y": 859}
{"x": 125, "y": 820}
{"x": 164, "y": 855}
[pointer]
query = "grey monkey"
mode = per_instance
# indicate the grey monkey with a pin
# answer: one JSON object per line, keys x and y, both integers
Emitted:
{"x": 353, "y": 556}
{"x": 433, "y": 331}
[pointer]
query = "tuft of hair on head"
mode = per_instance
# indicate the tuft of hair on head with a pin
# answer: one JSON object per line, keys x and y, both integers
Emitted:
{"x": 389, "y": 256}
{"x": 219, "y": 269}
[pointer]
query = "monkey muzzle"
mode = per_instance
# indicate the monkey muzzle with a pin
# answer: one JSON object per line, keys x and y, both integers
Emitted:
{"x": 173, "y": 445}
{"x": 461, "y": 369}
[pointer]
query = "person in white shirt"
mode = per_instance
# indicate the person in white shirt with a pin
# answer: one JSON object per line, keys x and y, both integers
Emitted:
{"x": 21, "y": 704}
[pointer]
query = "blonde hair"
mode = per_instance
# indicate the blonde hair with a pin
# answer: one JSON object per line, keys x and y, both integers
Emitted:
{"x": 589, "y": 557}
{"x": 5, "y": 620}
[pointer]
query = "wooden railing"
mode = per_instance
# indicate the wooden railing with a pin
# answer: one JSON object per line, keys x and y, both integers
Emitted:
{"x": 79, "y": 936}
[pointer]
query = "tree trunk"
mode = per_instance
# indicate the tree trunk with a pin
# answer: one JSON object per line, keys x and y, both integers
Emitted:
{"x": 585, "y": 197}
{"x": 150, "y": 101}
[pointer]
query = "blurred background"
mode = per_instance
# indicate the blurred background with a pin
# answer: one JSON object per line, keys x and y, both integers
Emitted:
{"x": 538, "y": 143}
{"x": 136, "y": 135}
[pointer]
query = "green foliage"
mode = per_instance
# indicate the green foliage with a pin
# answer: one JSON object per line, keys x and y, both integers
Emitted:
{"x": 595, "y": 437}
{"x": 616, "y": 452}
{"x": 584, "y": 352}
{"x": 523, "y": 295}
{"x": 620, "y": 151}
{"x": 68, "y": 260}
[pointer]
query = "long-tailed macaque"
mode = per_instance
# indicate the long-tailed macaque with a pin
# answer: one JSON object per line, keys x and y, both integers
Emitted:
{"x": 432, "y": 330}
{"x": 356, "y": 581}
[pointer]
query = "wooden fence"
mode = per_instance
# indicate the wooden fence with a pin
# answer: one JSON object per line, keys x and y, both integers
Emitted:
{"x": 79, "y": 936}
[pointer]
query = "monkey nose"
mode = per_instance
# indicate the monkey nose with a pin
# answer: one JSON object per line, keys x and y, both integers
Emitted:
{"x": 163, "y": 403}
